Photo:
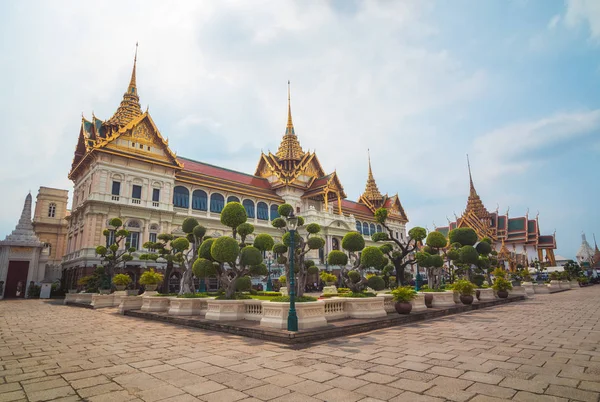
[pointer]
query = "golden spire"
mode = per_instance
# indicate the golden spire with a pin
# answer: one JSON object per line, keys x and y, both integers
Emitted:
{"x": 130, "y": 107}
{"x": 474, "y": 203}
{"x": 371, "y": 191}
{"x": 290, "y": 148}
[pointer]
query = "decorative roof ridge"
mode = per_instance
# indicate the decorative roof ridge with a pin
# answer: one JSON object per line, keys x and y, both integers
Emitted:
{"x": 371, "y": 190}
{"x": 290, "y": 148}
{"x": 130, "y": 107}
{"x": 220, "y": 167}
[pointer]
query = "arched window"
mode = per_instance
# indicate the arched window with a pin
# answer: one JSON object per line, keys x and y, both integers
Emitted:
{"x": 274, "y": 212}
{"x": 372, "y": 227}
{"x": 199, "y": 200}
{"x": 335, "y": 244}
{"x": 262, "y": 211}
{"x": 181, "y": 197}
{"x": 379, "y": 229}
{"x": 51, "y": 210}
{"x": 217, "y": 202}
{"x": 249, "y": 206}
{"x": 358, "y": 226}
{"x": 232, "y": 198}
{"x": 365, "y": 230}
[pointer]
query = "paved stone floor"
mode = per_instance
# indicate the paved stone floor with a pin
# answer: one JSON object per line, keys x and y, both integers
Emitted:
{"x": 545, "y": 349}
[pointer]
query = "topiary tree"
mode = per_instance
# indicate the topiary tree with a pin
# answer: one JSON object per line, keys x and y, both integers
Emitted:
{"x": 229, "y": 260}
{"x": 398, "y": 251}
{"x": 370, "y": 257}
{"x": 468, "y": 254}
{"x": 302, "y": 246}
{"x": 116, "y": 253}
{"x": 430, "y": 258}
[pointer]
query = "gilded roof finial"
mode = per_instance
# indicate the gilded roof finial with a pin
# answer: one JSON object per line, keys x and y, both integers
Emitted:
{"x": 290, "y": 125}
{"x": 474, "y": 203}
{"x": 290, "y": 148}
{"x": 472, "y": 187}
{"x": 130, "y": 107}
{"x": 371, "y": 191}
{"x": 132, "y": 83}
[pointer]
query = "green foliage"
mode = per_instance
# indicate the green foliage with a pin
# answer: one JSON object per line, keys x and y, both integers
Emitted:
{"x": 327, "y": 277}
{"x": 487, "y": 240}
{"x": 315, "y": 243}
{"x": 573, "y": 269}
{"x": 265, "y": 293}
{"x": 479, "y": 280}
{"x": 417, "y": 233}
{"x": 250, "y": 256}
{"x": 285, "y": 210}
{"x": 199, "y": 231}
{"x": 337, "y": 257}
{"x": 392, "y": 279}
{"x": 499, "y": 273}
{"x": 372, "y": 257}
{"x": 279, "y": 223}
{"x": 484, "y": 248}
{"x": 204, "y": 249}
{"x": 312, "y": 270}
{"x": 300, "y": 221}
{"x": 121, "y": 280}
{"x": 151, "y": 277}
{"x": 381, "y": 215}
{"x": 357, "y": 294}
{"x": 354, "y": 276}
{"x": 192, "y": 296}
{"x": 436, "y": 261}
{"x": 353, "y": 241}
{"x": 282, "y": 259}
{"x": 464, "y": 287}
{"x": 386, "y": 248}
{"x": 436, "y": 240}
{"x": 343, "y": 290}
{"x": 287, "y": 237}
{"x": 468, "y": 255}
{"x": 380, "y": 236}
{"x": 453, "y": 254}
{"x": 225, "y": 249}
{"x": 233, "y": 215}
{"x": 404, "y": 294}
{"x": 189, "y": 224}
{"x": 204, "y": 268}
{"x": 376, "y": 283}
{"x": 501, "y": 284}
{"x": 555, "y": 276}
{"x": 282, "y": 279}
{"x": 115, "y": 222}
{"x": 279, "y": 248}
{"x": 313, "y": 228}
{"x": 243, "y": 283}
{"x": 180, "y": 244}
{"x": 245, "y": 229}
{"x": 301, "y": 299}
{"x": 264, "y": 242}
{"x": 257, "y": 270}
{"x": 464, "y": 236}
{"x": 236, "y": 296}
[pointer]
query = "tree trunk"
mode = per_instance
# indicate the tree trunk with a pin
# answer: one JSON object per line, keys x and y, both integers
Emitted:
{"x": 187, "y": 282}
{"x": 230, "y": 287}
{"x": 165, "y": 286}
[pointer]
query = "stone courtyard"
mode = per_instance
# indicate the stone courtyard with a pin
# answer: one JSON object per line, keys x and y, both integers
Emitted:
{"x": 542, "y": 349}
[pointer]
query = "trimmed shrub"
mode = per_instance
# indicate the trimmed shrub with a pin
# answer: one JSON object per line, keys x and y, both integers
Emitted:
{"x": 225, "y": 249}
{"x": 376, "y": 283}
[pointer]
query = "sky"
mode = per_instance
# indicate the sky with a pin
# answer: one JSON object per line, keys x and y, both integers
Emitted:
{"x": 513, "y": 83}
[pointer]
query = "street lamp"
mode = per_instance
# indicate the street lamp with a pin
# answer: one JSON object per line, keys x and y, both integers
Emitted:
{"x": 418, "y": 280}
{"x": 292, "y": 324}
{"x": 269, "y": 282}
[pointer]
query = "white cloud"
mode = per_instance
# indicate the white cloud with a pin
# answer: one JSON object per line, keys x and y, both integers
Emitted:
{"x": 553, "y": 22}
{"x": 585, "y": 12}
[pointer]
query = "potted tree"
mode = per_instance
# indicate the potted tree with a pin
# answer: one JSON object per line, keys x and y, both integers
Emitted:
{"x": 150, "y": 279}
{"x": 465, "y": 289}
{"x": 121, "y": 281}
{"x": 328, "y": 278}
{"x": 502, "y": 286}
{"x": 402, "y": 297}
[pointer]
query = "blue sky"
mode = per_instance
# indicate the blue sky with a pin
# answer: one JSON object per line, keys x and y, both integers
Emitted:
{"x": 516, "y": 84}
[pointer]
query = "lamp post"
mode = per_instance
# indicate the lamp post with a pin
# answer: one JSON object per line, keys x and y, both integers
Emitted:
{"x": 269, "y": 282}
{"x": 418, "y": 280}
{"x": 292, "y": 324}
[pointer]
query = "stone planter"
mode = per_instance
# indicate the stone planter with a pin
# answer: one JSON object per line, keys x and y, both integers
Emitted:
{"x": 72, "y": 291}
{"x": 184, "y": 306}
{"x": 100, "y": 301}
{"x": 574, "y": 284}
{"x": 528, "y": 287}
{"x": 283, "y": 290}
{"x": 541, "y": 289}
{"x": 554, "y": 286}
{"x": 457, "y": 298}
{"x": 418, "y": 302}
{"x": 70, "y": 297}
{"x": 225, "y": 310}
{"x": 155, "y": 304}
{"x": 133, "y": 292}
{"x": 310, "y": 314}
{"x": 130, "y": 303}
{"x": 150, "y": 288}
{"x": 335, "y": 309}
{"x": 253, "y": 310}
{"x": 518, "y": 291}
{"x": 120, "y": 288}
{"x": 365, "y": 307}
{"x": 329, "y": 290}
{"x": 565, "y": 285}
{"x": 388, "y": 303}
{"x": 486, "y": 294}
{"x": 104, "y": 291}
{"x": 442, "y": 299}
{"x": 84, "y": 298}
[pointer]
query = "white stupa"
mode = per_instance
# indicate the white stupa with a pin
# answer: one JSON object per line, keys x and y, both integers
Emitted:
{"x": 585, "y": 254}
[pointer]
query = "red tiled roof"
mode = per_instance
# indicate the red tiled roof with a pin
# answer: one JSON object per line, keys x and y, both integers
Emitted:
{"x": 321, "y": 181}
{"x": 355, "y": 206}
{"x": 222, "y": 173}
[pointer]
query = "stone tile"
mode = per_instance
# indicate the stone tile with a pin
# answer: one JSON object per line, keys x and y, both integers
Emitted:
{"x": 586, "y": 385}
{"x": 157, "y": 394}
{"x": 481, "y": 377}
{"x": 451, "y": 383}
{"x": 524, "y": 396}
{"x": 339, "y": 395}
{"x": 293, "y": 397}
{"x": 89, "y": 382}
{"x": 412, "y": 397}
{"x": 42, "y": 385}
{"x": 10, "y": 387}
{"x": 572, "y": 393}
{"x": 524, "y": 385}
{"x": 377, "y": 378}
{"x": 411, "y": 385}
{"x": 446, "y": 371}
{"x": 13, "y": 396}
{"x": 512, "y": 374}
{"x": 349, "y": 372}
{"x": 267, "y": 392}
{"x": 491, "y": 390}
{"x": 450, "y": 394}
{"x": 486, "y": 398}
{"x": 378, "y": 391}
{"x": 283, "y": 380}
{"x": 347, "y": 383}
{"x": 415, "y": 366}
{"x": 181, "y": 398}
{"x": 99, "y": 390}
{"x": 417, "y": 375}
{"x": 224, "y": 395}
{"x": 318, "y": 375}
{"x": 309, "y": 387}
{"x": 262, "y": 373}
{"x": 48, "y": 394}
{"x": 179, "y": 378}
{"x": 202, "y": 388}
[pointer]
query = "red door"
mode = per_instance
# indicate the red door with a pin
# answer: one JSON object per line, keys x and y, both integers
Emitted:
{"x": 16, "y": 280}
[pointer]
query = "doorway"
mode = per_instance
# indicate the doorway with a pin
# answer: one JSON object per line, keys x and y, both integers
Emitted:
{"x": 16, "y": 280}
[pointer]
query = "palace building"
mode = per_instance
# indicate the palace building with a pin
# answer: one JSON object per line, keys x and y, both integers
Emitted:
{"x": 123, "y": 167}
{"x": 516, "y": 239}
